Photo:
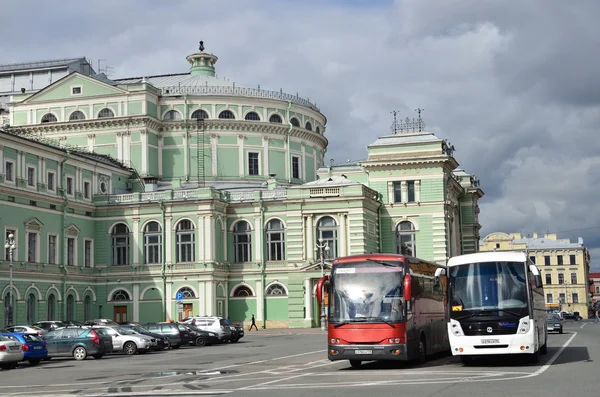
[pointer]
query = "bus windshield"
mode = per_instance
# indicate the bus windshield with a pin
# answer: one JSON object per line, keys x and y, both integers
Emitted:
{"x": 488, "y": 286}
{"x": 366, "y": 292}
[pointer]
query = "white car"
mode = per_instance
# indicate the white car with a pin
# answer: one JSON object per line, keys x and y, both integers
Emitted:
{"x": 11, "y": 352}
{"x": 25, "y": 329}
{"x": 128, "y": 341}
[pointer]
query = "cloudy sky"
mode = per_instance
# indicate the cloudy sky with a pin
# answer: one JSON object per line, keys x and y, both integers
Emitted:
{"x": 513, "y": 85}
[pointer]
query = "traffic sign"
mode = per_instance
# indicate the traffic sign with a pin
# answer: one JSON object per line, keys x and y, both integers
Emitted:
{"x": 180, "y": 307}
{"x": 179, "y": 296}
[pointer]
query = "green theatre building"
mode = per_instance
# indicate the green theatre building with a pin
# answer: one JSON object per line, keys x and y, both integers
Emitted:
{"x": 124, "y": 195}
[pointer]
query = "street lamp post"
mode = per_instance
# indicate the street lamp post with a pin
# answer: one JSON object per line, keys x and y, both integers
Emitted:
{"x": 323, "y": 248}
{"x": 10, "y": 245}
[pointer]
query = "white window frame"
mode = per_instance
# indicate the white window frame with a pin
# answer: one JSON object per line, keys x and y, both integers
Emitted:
{"x": 55, "y": 249}
{"x": 66, "y": 187}
{"x": 573, "y": 295}
{"x": 551, "y": 296}
{"x": 259, "y": 162}
{"x": 74, "y": 250}
{"x": 597, "y": 289}
{"x": 91, "y": 240}
{"x": 89, "y": 190}
{"x": 53, "y": 189}
{"x": 563, "y": 277}
{"x": 37, "y": 245}
{"x": 34, "y": 168}
{"x": 576, "y": 278}
{"x": 14, "y": 174}
{"x": 80, "y": 90}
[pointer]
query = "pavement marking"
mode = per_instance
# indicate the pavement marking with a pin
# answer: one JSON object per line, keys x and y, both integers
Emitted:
{"x": 583, "y": 325}
{"x": 553, "y": 358}
{"x": 273, "y": 381}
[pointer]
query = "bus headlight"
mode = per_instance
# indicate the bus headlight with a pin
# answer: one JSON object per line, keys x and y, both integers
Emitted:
{"x": 524, "y": 325}
{"x": 455, "y": 328}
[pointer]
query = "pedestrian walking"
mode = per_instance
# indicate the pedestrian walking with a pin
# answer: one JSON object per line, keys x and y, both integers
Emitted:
{"x": 228, "y": 320}
{"x": 598, "y": 316}
{"x": 253, "y": 324}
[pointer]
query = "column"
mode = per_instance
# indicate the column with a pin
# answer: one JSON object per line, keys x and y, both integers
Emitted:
{"x": 169, "y": 299}
{"x": 62, "y": 114}
{"x": 120, "y": 146}
{"x": 91, "y": 142}
{"x": 242, "y": 159}
{"x": 1, "y": 160}
{"x": 144, "y": 142}
{"x": 265, "y": 156}
{"x": 168, "y": 239}
{"x": 257, "y": 239}
{"x": 201, "y": 299}
{"x": 186, "y": 160}
{"x": 226, "y": 308}
{"x": 225, "y": 259}
{"x": 308, "y": 299}
{"x": 136, "y": 241}
{"x": 259, "y": 300}
{"x": 303, "y": 165}
{"x": 136, "y": 302}
{"x": 126, "y": 147}
{"x": 418, "y": 191}
{"x": 404, "y": 191}
{"x": 213, "y": 148}
{"x": 343, "y": 235}
{"x": 160, "y": 149}
{"x": 209, "y": 230}
{"x": 91, "y": 114}
{"x": 40, "y": 170}
{"x": 199, "y": 240}
{"x": 310, "y": 242}
{"x": 210, "y": 298}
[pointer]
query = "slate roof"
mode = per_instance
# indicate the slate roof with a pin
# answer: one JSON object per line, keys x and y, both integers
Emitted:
{"x": 40, "y": 64}
{"x": 180, "y": 79}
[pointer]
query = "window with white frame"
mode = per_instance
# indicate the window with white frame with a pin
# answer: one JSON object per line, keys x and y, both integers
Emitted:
{"x": 397, "y": 192}
{"x": 327, "y": 231}
{"x": 562, "y": 298}
{"x": 172, "y": 115}
{"x": 575, "y": 297}
{"x": 548, "y": 278}
{"x": 597, "y": 289}
{"x": 70, "y": 185}
{"x": 120, "y": 244}
{"x": 152, "y": 243}
{"x": 573, "y": 278}
{"x": 71, "y": 246}
{"x": 187, "y": 292}
{"x": 76, "y": 90}
{"x": 50, "y": 181}
{"x": 406, "y": 240}
{"x": 410, "y": 191}
{"x": 86, "y": 190}
{"x": 275, "y": 240}
{"x": 296, "y": 167}
{"x": 549, "y": 298}
{"x": 242, "y": 242}
{"x": 49, "y": 118}
{"x": 88, "y": 252}
{"x": 106, "y": 112}
{"x": 32, "y": 247}
{"x": 77, "y": 115}
{"x": 185, "y": 241}
{"x": 9, "y": 171}
{"x": 242, "y": 292}
{"x": 30, "y": 176}
{"x": 252, "y": 116}
{"x": 52, "y": 249}
{"x": 199, "y": 114}
{"x": 253, "y": 163}
{"x": 276, "y": 289}
{"x": 561, "y": 278}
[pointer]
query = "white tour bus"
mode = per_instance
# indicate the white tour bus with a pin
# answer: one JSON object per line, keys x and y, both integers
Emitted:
{"x": 496, "y": 305}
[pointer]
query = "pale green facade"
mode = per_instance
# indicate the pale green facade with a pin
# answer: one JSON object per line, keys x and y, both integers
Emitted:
{"x": 216, "y": 191}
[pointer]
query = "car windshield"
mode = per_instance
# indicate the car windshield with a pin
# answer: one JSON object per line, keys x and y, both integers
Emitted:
{"x": 553, "y": 317}
{"x": 125, "y": 331}
{"x": 32, "y": 338}
{"x": 140, "y": 329}
{"x": 366, "y": 292}
{"x": 4, "y": 339}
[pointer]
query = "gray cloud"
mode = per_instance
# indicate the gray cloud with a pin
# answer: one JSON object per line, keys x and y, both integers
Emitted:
{"x": 512, "y": 84}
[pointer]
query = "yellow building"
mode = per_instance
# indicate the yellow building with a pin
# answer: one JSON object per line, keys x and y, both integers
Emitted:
{"x": 564, "y": 266}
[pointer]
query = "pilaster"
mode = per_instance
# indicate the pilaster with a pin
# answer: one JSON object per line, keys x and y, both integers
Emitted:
{"x": 310, "y": 241}
{"x": 307, "y": 299}
{"x": 242, "y": 159}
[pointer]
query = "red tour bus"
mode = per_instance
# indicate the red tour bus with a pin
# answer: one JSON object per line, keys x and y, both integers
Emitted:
{"x": 385, "y": 307}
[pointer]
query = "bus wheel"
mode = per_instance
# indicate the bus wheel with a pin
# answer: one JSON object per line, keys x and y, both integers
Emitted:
{"x": 467, "y": 360}
{"x": 422, "y": 351}
{"x": 544, "y": 347}
{"x": 355, "y": 363}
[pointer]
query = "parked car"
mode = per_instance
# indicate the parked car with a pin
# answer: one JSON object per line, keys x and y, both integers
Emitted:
{"x": 79, "y": 342}
{"x": 11, "y": 352}
{"x": 177, "y": 334}
{"x": 199, "y": 337}
{"x": 237, "y": 333}
{"x": 218, "y": 325}
{"x": 47, "y": 326}
{"x": 162, "y": 342}
{"x": 572, "y": 316}
{"x": 34, "y": 347}
{"x": 71, "y": 323}
{"x": 25, "y": 329}
{"x": 554, "y": 323}
{"x": 127, "y": 340}
{"x": 100, "y": 321}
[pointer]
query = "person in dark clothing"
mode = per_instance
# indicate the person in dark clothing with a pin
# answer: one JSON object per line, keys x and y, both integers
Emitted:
{"x": 253, "y": 324}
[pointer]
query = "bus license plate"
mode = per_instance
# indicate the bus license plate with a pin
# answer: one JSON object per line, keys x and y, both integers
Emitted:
{"x": 363, "y": 351}
{"x": 490, "y": 341}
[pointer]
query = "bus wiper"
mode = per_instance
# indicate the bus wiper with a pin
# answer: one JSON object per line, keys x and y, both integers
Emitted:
{"x": 380, "y": 319}
{"x": 381, "y": 262}
{"x": 340, "y": 324}
{"x": 510, "y": 312}
{"x": 482, "y": 313}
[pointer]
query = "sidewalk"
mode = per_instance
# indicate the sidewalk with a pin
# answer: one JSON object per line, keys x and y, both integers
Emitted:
{"x": 285, "y": 331}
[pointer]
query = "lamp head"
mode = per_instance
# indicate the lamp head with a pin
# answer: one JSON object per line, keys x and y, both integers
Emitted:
{"x": 6, "y": 246}
{"x": 11, "y": 236}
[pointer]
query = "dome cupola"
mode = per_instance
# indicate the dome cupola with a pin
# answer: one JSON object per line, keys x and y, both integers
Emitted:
{"x": 202, "y": 63}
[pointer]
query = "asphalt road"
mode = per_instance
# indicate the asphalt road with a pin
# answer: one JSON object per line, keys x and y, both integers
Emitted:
{"x": 296, "y": 365}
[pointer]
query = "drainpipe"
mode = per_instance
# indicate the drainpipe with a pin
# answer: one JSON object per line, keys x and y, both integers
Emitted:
{"x": 288, "y": 159}
{"x": 187, "y": 137}
{"x": 63, "y": 237}
{"x": 262, "y": 264}
{"x": 163, "y": 250}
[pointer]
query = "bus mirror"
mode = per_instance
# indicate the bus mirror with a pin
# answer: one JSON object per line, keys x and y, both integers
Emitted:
{"x": 538, "y": 281}
{"x": 320, "y": 285}
{"x": 534, "y": 270}
{"x": 407, "y": 288}
{"x": 439, "y": 272}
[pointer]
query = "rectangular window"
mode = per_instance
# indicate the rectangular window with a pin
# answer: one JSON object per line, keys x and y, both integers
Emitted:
{"x": 30, "y": 176}
{"x": 575, "y": 297}
{"x": 76, "y": 90}
{"x": 573, "y": 278}
{"x": 9, "y": 171}
{"x": 598, "y": 289}
{"x": 70, "y": 251}
{"x": 296, "y": 167}
{"x": 572, "y": 259}
{"x": 50, "y": 181}
{"x": 87, "y": 253}
{"x": 253, "y": 164}
{"x": 410, "y": 187}
{"x": 548, "y": 279}
{"x": 549, "y": 298}
{"x": 397, "y": 192}
{"x": 546, "y": 260}
{"x": 31, "y": 247}
{"x": 562, "y": 298}
{"x": 561, "y": 278}
{"x": 532, "y": 259}
{"x": 86, "y": 190}
{"x": 69, "y": 185}
{"x": 52, "y": 249}
{"x": 559, "y": 259}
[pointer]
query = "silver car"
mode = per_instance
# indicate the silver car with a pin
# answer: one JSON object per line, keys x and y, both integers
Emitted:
{"x": 11, "y": 352}
{"x": 128, "y": 341}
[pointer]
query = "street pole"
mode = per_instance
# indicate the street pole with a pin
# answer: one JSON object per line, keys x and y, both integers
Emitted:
{"x": 323, "y": 247}
{"x": 10, "y": 246}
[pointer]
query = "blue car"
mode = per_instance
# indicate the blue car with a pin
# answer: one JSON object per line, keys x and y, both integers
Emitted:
{"x": 35, "y": 348}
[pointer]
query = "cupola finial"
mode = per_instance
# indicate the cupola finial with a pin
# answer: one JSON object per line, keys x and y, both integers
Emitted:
{"x": 201, "y": 48}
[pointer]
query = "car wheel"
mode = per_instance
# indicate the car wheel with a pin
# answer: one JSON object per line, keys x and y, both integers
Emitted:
{"x": 235, "y": 340}
{"x": 79, "y": 353}
{"x": 560, "y": 331}
{"x": 35, "y": 361}
{"x": 200, "y": 341}
{"x": 167, "y": 344}
{"x": 98, "y": 356}
{"x": 175, "y": 346}
{"x": 130, "y": 348}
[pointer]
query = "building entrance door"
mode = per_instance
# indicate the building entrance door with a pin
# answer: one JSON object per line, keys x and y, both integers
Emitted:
{"x": 120, "y": 314}
{"x": 188, "y": 310}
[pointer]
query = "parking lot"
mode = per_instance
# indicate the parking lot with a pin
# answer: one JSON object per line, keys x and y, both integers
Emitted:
{"x": 294, "y": 363}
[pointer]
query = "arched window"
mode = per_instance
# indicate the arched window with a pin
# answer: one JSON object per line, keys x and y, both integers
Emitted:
{"x": 275, "y": 118}
{"x": 406, "y": 239}
{"x": 199, "y": 115}
{"x": 294, "y": 121}
{"x": 275, "y": 240}
{"x": 308, "y": 126}
{"x": 242, "y": 242}
{"x": 152, "y": 243}
{"x": 242, "y": 291}
{"x": 31, "y": 303}
{"x": 106, "y": 112}
{"x": 185, "y": 241}
{"x": 120, "y": 295}
{"x": 120, "y": 244}
{"x": 252, "y": 116}
{"x": 227, "y": 114}
{"x": 276, "y": 290}
{"x": 70, "y": 307}
{"x": 49, "y": 118}
{"x": 77, "y": 115}
{"x": 87, "y": 308}
{"x": 327, "y": 231}
{"x": 51, "y": 307}
{"x": 318, "y": 130}
{"x": 172, "y": 115}
{"x": 187, "y": 292}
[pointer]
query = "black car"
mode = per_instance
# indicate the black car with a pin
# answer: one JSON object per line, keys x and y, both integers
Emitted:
{"x": 178, "y": 334}
{"x": 237, "y": 332}
{"x": 199, "y": 337}
{"x": 572, "y": 316}
{"x": 162, "y": 342}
